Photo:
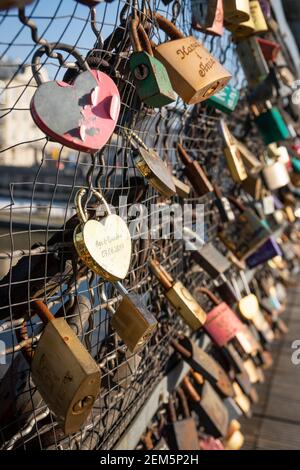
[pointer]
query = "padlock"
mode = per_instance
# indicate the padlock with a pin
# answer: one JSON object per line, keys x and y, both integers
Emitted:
{"x": 223, "y": 326}
{"x": 194, "y": 73}
{"x": 182, "y": 190}
{"x": 64, "y": 372}
{"x": 246, "y": 235}
{"x": 91, "y": 105}
{"x": 254, "y": 372}
{"x": 211, "y": 260}
{"x": 195, "y": 173}
{"x": 270, "y": 49}
{"x": 270, "y": 124}
{"x": 208, "y": 16}
{"x": 223, "y": 206}
{"x": 253, "y": 186}
{"x": 151, "y": 77}
{"x": 233, "y": 155}
{"x": 257, "y": 15}
{"x": 253, "y": 62}
{"x": 251, "y": 163}
{"x": 213, "y": 414}
{"x": 103, "y": 245}
{"x": 132, "y": 320}
{"x": 275, "y": 174}
{"x": 126, "y": 369}
{"x": 7, "y": 4}
{"x": 236, "y": 11}
{"x": 234, "y": 439}
{"x": 225, "y": 100}
{"x": 242, "y": 400}
{"x": 181, "y": 299}
{"x": 204, "y": 364}
{"x": 181, "y": 434}
{"x": 241, "y": 30}
{"x": 151, "y": 166}
{"x": 266, "y": 252}
{"x": 210, "y": 443}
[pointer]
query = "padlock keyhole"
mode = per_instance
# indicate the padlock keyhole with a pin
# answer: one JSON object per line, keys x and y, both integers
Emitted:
{"x": 82, "y": 404}
{"x": 141, "y": 72}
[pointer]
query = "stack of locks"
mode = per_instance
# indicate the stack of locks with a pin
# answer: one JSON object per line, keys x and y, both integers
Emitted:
{"x": 223, "y": 327}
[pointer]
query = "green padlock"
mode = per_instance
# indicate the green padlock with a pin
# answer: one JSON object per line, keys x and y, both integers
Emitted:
{"x": 225, "y": 100}
{"x": 271, "y": 124}
{"x": 151, "y": 77}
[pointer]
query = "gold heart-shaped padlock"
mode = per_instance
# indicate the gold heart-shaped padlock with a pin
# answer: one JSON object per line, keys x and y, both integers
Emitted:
{"x": 103, "y": 245}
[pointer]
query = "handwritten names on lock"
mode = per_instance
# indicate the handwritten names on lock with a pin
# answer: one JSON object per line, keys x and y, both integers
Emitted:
{"x": 205, "y": 65}
{"x": 110, "y": 245}
{"x": 222, "y": 324}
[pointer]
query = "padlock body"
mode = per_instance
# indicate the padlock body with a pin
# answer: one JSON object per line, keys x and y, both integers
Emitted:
{"x": 211, "y": 260}
{"x": 133, "y": 322}
{"x": 182, "y": 435}
{"x": 248, "y": 306}
{"x": 258, "y": 17}
{"x": 272, "y": 126}
{"x": 213, "y": 414}
{"x": 236, "y": 11}
{"x": 186, "y": 306}
{"x": 276, "y": 176}
{"x": 194, "y": 73}
{"x": 65, "y": 375}
{"x": 267, "y": 251}
{"x": 235, "y": 163}
{"x": 222, "y": 324}
{"x": 155, "y": 89}
{"x": 225, "y": 100}
{"x": 246, "y": 235}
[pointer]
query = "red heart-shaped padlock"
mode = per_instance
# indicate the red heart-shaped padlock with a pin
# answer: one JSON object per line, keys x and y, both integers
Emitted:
{"x": 81, "y": 115}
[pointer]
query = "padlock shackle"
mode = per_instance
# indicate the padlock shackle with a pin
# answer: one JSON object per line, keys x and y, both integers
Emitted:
{"x": 169, "y": 28}
{"x": 137, "y": 32}
{"x": 212, "y": 297}
{"x": 36, "y": 59}
{"x": 191, "y": 390}
{"x": 185, "y": 353}
{"x": 161, "y": 274}
{"x": 184, "y": 403}
{"x": 82, "y": 213}
{"x": 41, "y": 309}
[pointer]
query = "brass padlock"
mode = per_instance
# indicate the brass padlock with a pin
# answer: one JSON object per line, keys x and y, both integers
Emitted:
{"x": 132, "y": 320}
{"x": 64, "y": 372}
{"x": 194, "y": 73}
{"x": 252, "y": 164}
{"x": 151, "y": 77}
{"x": 258, "y": 17}
{"x": 151, "y": 166}
{"x": 103, "y": 245}
{"x": 242, "y": 30}
{"x": 233, "y": 155}
{"x": 181, "y": 299}
{"x": 236, "y": 11}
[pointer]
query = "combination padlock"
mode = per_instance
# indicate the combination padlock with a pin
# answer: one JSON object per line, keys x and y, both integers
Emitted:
{"x": 208, "y": 16}
{"x": 194, "y": 172}
{"x": 247, "y": 234}
{"x": 194, "y": 73}
{"x": 65, "y": 374}
{"x": 181, "y": 299}
{"x": 132, "y": 320}
{"x": 225, "y": 100}
{"x": 151, "y": 166}
{"x": 181, "y": 434}
{"x": 212, "y": 412}
{"x": 151, "y": 77}
{"x": 232, "y": 155}
{"x": 103, "y": 245}
{"x": 91, "y": 105}
{"x": 236, "y": 11}
{"x": 270, "y": 123}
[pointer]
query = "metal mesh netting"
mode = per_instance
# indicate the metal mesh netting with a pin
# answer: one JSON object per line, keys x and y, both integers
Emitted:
{"x": 39, "y": 179}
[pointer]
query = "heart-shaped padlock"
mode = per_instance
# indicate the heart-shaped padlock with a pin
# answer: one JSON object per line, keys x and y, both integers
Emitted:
{"x": 103, "y": 245}
{"x": 81, "y": 115}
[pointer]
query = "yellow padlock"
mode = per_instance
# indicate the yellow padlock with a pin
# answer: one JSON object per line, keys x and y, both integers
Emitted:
{"x": 194, "y": 73}
{"x": 236, "y": 11}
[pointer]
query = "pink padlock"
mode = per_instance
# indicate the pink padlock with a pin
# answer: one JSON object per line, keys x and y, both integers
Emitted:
{"x": 81, "y": 115}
